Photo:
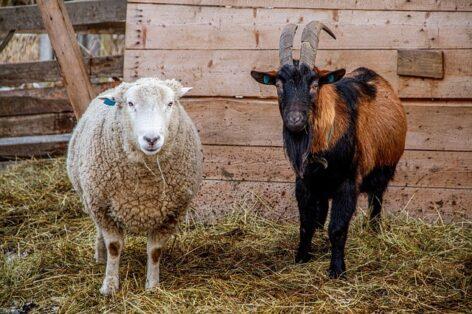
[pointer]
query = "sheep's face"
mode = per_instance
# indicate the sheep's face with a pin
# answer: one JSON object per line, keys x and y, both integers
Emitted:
{"x": 149, "y": 109}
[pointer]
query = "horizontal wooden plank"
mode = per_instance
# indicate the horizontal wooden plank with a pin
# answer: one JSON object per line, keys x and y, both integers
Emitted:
{"x": 49, "y": 71}
{"x": 420, "y": 63}
{"x": 38, "y": 146}
{"x": 258, "y": 123}
{"x": 227, "y": 73}
{"x": 225, "y": 121}
{"x": 416, "y": 168}
{"x": 106, "y": 16}
{"x": 49, "y": 123}
{"x": 19, "y": 102}
{"x": 277, "y": 201}
{"x": 191, "y": 27}
{"x": 398, "y": 5}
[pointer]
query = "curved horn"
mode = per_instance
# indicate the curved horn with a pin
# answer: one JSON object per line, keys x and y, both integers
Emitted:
{"x": 310, "y": 39}
{"x": 286, "y": 44}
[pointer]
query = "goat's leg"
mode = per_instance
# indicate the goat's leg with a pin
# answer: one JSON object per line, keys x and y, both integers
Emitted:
{"x": 114, "y": 243}
{"x": 313, "y": 211}
{"x": 375, "y": 205}
{"x": 343, "y": 207}
{"x": 155, "y": 245}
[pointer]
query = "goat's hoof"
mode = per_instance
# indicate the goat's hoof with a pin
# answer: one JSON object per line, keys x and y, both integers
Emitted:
{"x": 110, "y": 286}
{"x": 302, "y": 257}
{"x": 336, "y": 273}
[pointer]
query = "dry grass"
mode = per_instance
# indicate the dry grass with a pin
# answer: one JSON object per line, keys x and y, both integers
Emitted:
{"x": 244, "y": 263}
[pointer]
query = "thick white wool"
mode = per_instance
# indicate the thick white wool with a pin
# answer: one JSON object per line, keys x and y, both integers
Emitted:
{"x": 122, "y": 187}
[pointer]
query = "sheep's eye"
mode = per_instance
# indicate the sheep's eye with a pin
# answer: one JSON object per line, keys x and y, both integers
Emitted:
{"x": 170, "y": 104}
{"x": 130, "y": 104}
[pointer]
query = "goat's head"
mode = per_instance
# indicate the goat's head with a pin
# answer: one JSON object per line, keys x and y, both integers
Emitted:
{"x": 298, "y": 81}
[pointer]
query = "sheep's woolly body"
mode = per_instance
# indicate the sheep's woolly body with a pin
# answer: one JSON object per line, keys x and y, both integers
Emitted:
{"x": 122, "y": 187}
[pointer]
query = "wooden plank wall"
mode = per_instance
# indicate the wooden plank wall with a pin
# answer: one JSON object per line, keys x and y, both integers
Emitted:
{"x": 213, "y": 45}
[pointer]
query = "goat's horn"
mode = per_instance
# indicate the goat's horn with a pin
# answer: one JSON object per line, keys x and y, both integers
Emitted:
{"x": 310, "y": 39}
{"x": 286, "y": 44}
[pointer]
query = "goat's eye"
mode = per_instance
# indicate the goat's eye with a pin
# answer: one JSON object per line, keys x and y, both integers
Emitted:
{"x": 170, "y": 104}
{"x": 130, "y": 104}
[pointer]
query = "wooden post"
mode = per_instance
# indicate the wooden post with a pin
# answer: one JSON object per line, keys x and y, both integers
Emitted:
{"x": 62, "y": 36}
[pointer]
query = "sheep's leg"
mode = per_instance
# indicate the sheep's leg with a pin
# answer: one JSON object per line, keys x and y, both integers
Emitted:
{"x": 343, "y": 207}
{"x": 155, "y": 244}
{"x": 114, "y": 242}
{"x": 100, "y": 248}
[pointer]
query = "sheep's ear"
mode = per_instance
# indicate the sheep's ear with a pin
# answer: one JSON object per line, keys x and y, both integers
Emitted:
{"x": 177, "y": 87}
{"x": 108, "y": 100}
{"x": 185, "y": 90}
{"x": 115, "y": 96}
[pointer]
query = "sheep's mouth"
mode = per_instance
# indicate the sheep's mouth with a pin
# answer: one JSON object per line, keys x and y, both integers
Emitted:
{"x": 151, "y": 150}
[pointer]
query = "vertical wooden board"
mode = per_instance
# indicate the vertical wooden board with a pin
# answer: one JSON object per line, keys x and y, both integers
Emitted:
{"x": 63, "y": 40}
{"x": 277, "y": 201}
{"x": 420, "y": 63}
{"x": 193, "y": 27}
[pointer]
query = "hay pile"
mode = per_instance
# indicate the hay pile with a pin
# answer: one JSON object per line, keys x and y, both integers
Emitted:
{"x": 244, "y": 263}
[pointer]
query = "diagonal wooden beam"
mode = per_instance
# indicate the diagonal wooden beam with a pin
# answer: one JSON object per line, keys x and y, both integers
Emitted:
{"x": 63, "y": 40}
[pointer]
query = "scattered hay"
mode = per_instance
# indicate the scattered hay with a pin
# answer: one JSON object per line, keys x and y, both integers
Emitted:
{"x": 243, "y": 263}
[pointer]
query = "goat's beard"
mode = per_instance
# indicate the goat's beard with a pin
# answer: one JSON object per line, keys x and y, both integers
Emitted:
{"x": 297, "y": 148}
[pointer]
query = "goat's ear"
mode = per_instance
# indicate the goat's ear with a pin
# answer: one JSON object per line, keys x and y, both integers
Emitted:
{"x": 332, "y": 77}
{"x": 267, "y": 78}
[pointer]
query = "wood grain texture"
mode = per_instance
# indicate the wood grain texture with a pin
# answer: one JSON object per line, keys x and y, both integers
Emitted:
{"x": 416, "y": 168}
{"x": 20, "y": 102}
{"x": 192, "y": 27}
{"x": 38, "y": 146}
{"x": 277, "y": 201}
{"x": 420, "y": 63}
{"x": 49, "y": 71}
{"x": 400, "y": 5}
{"x": 251, "y": 122}
{"x": 227, "y": 73}
{"x": 63, "y": 40}
{"x": 49, "y": 123}
{"x": 105, "y": 16}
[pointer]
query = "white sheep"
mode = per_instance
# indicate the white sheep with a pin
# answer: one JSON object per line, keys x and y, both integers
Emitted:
{"x": 136, "y": 164}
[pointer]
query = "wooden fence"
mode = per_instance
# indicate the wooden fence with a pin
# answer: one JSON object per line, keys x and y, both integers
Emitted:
{"x": 213, "y": 45}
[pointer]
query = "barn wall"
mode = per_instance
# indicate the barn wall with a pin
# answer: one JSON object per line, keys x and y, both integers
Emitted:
{"x": 213, "y": 45}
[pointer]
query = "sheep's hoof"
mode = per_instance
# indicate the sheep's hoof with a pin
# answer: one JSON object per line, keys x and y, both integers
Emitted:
{"x": 151, "y": 284}
{"x": 110, "y": 286}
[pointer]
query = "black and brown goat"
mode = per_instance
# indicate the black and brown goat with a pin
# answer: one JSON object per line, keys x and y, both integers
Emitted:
{"x": 343, "y": 135}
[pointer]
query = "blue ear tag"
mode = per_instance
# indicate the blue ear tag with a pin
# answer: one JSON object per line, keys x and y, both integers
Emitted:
{"x": 109, "y": 102}
{"x": 331, "y": 78}
{"x": 266, "y": 79}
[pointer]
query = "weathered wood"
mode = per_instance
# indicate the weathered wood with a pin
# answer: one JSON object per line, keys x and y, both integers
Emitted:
{"x": 50, "y": 123}
{"x": 19, "y": 102}
{"x": 106, "y": 16}
{"x": 269, "y": 164}
{"x": 5, "y": 40}
{"x": 224, "y": 121}
{"x": 226, "y": 73}
{"x": 152, "y": 26}
{"x": 420, "y": 63}
{"x": 49, "y": 71}
{"x": 27, "y": 146}
{"x": 277, "y": 200}
{"x": 257, "y": 123}
{"x": 399, "y": 5}
{"x": 63, "y": 40}
{"x": 416, "y": 168}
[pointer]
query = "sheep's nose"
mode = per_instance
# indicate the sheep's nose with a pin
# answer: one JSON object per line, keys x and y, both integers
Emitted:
{"x": 151, "y": 140}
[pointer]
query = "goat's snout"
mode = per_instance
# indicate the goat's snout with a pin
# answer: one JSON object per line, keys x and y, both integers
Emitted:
{"x": 295, "y": 121}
